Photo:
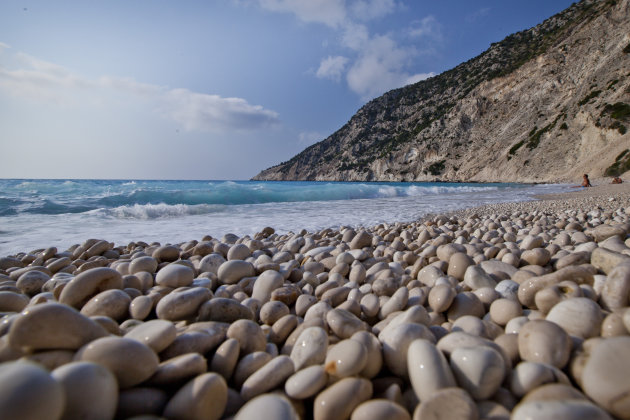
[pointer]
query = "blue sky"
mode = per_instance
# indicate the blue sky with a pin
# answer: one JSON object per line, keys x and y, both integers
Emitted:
{"x": 165, "y": 89}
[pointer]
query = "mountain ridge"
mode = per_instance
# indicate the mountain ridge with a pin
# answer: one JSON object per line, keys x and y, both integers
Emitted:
{"x": 542, "y": 105}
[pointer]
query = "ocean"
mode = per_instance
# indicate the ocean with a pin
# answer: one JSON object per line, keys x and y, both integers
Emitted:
{"x": 42, "y": 213}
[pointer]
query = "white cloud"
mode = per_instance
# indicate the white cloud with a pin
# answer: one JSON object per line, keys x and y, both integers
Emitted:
{"x": 372, "y": 9}
{"x": 428, "y": 27}
{"x": 332, "y": 68}
{"x": 307, "y": 138}
{"x": 43, "y": 81}
{"x": 328, "y": 12}
{"x": 355, "y": 36}
{"x": 379, "y": 68}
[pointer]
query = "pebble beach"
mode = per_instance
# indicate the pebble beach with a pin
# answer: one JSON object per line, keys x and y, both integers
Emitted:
{"x": 508, "y": 311}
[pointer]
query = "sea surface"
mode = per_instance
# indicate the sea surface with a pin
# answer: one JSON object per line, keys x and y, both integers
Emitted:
{"x": 41, "y": 213}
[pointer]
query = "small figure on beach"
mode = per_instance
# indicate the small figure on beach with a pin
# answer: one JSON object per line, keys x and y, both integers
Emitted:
{"x": 616, "y": 180}
{"x": 585, "y": 181}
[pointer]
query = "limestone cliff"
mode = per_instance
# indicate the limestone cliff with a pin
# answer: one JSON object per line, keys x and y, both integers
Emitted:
{"x": 546, "y": 104}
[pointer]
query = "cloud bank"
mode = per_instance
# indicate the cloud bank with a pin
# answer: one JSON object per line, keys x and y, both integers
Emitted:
{"x": 22, "y": 75}
{"x": 374, "y": 63}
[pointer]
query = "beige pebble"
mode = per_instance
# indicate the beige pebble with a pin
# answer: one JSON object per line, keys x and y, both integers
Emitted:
{"x": 157, "y": 334}
{"x": 272, "y": 311}
{"x": 613, "y": 326}
{"x": 346, "y": 358}
{"x": 113, "y": 303}
{"x": 554, "y": 392}
{"x": 440, "y": 297}
{"x": 475, "y": 278}
{"x": 580, "y": 317}
{"x": 225, "y": 358}
{"x": 249, "y": 335}
{"x": 340, "y": 399}
{"x": 140, "y": 307}
{"x": 479, "y": 370}
{"x": 536, "y": 256}
{"x": 248, "y": 365}
{"x": 471, "y": 325}
{"x": 503, "y": 310}
{"x": 458, "y": 264}
{"x": 53, "y": 326}
{"x": 51, "y": 359}
{"x": 145, "y": 263}
{"x": 428, "y": 369}
{"x": 178, "y": 369}
{"x": 31, "y": 282}
{"x": 606, "y": 373}
{"x": 224, "y": 310}
{"x": 182, "y": 303}
{"x": 396, "y": 342}
{"x": 28, "y": 392}
{"x": 203, "y": 397}
{"x": 12, "y": 302}
{"x": 91, "y": 390}
{"x": 310, "y": 348}
{"x": 545, "y": 342}
{"x": 447, "y": 403}
{"x": 492, "y": 410}
{"x": 380, "y": 409}
{"x": 89, "y": 283}
{"x": 465, "y": 303}
{"x": 268, "y": 377}
{"x": 616, "y": 291}
{"x": 306, "y": 383}
{"x": 453, "y": 340}
{"x": 374, "y": 353}
{"x": 139, "y": 363}
{"x": 175, "y": 275}
{"x": 230, "y": 272}
{"x": 343, "y": 323}
{"x": 267, "y": 406}
{"x": 551, "y": 410}
{"x": 527, "y": 376}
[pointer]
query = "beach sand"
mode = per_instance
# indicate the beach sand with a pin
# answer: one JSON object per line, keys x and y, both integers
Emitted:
{"x": 513, "y": 310}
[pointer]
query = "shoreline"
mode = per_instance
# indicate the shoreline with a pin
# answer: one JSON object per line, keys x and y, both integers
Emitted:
{"x": 534, "y": 293}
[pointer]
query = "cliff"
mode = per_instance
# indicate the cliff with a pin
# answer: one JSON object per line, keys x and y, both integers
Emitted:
{"x": 543, "y": 105}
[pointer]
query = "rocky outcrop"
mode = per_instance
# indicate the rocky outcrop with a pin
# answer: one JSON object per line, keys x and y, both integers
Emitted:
{"x": 546, "y": 104}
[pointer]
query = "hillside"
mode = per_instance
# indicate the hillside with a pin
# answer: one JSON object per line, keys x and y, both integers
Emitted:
{"x": 545, "y": 104}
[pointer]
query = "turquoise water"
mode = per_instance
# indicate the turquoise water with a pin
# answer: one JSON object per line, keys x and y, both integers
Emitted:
{"x": 41, "y": 213}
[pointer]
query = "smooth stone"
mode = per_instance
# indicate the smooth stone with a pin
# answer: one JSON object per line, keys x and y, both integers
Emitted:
{"x": 51, "y": 359}
{"x": 310, "y": 348}
{"x": 272, "y": 311}
{"x": 447, "y": 403}
{"x": 465, "y": 303}
{"x": 339, "y": 400}
{"x": 166, "y": 253}
{"x": 456, "y": 339}
{"x": 374, "y": 353}
{"x": 156, "y": 333}
{"x": 12, "y": 302}
{"x": 395, "y": 345}
{"x": 361, "y": 240}
{"x": 225, "y": 358}
{"x": 613, "y": 326}
{"x": 175, "y": 275}
{"x": 479, "y": 370}
{"x": 178, "y": 369}
{"x": 580, "y": 317}
{"x": 268, "y": 377}
{"x": 182, "y": 303}
{"x": 605, "y": 376}
{"x": 230, "y": 272}
{"x": 544, "y": 342}
{"x": 238, "y": 252}
{"x": 211, "y": 263}
{"x": 380, "y": 409}
{"x": 140, "y": 307}
{"x": 249, "y": 335}
{"x": 346, "y": 358}
{"x": 248, "y": 365}
{"x": 503, "y": 310}
{"x": 203, "y": 397}
{"x": 139, "y": 363}
{"x": 606, "y": 260}
{"x": 495, "y": 267}
{"x": 267, "y": 406}
{"x": 552, "y": 410}
{"x": 440, "y": 297}
{"x": 458, "y": 264}
{"x": 616, "y": 292}
{"x": 343, "y": 323}
{"x": 31, "y": 282}
{"x": 554, "y": 392}
{"x": 28, "y": 392}
{"x": 89, "y": 283}
{"x": 527, "y": 376}
{"x": 113, "y": 303}
{"x": 145, "y": 263}
{"x": 193, "y": 342}
{"x": 53, "y": 326}
{"x": 428, "y": 369}
{"x": 475, "y": 278}
{"x": 224, "y": 310}
{"x": 536, "y": 256}
{"x": 91, "y": 390}
{"x": 306, "y": 383}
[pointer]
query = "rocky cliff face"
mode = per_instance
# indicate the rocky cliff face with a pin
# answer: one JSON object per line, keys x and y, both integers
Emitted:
{"x": 543, "y": 105}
